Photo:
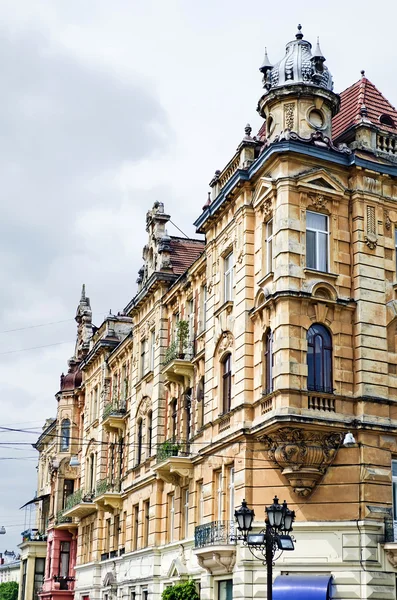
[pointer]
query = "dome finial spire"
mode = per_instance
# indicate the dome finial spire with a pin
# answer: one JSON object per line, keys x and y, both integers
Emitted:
{"x": 299, "y": 35}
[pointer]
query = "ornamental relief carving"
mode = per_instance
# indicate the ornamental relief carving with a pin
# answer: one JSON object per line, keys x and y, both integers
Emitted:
{"x": 303, "y": 456}
{"x": 266, "y": 208}
{"x": 319, "y": 201}
{"x": 225, "y": 342}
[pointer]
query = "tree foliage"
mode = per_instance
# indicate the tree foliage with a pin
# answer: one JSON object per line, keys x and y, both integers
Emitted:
{"x": 185, "y": 590}
{"x": 9, "y": 590}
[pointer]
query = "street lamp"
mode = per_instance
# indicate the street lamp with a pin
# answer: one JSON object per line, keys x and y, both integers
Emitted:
{"x": 279, "y": 520}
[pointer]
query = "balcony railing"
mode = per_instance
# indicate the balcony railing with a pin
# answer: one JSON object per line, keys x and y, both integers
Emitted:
{"x": 78, "y": 498}
{"x": 114, "y": 408}
{"x": 176, "y": 350}
{"x": 107, "y": 485}
{"x": 172, "y": 447}
{"x": 33, "y": 535}
{"x": 61, "y": 519}
{"x": 65, "y": 583}
{"x": 217, "y": 533}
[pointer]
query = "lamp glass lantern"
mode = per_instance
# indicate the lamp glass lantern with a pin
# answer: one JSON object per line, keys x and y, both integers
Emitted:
{"x": 244, "y": 517}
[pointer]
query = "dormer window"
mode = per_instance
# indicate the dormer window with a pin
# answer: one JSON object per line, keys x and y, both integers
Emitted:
{"x": 386, "y": 120}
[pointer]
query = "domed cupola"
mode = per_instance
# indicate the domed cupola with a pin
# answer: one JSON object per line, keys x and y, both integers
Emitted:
{"x": 298, "y": 93}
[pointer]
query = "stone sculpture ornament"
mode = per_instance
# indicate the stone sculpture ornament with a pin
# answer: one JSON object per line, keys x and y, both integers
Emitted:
{"x": 302, "y": 455}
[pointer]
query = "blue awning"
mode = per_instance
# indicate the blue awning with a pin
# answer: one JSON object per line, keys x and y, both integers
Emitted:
{"x": 302, "y": 587}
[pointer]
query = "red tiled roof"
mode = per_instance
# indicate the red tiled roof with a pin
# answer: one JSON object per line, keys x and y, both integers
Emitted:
{"x": 184, "y": 252}
{"x": 363, "y": 92}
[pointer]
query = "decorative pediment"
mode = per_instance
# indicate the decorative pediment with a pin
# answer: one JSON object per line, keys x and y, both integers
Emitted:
{"x": 321, "y": 181}
{"x": 302, "y": 455}
{"x": 177, "y": 569}
{"x": 263, "y": 195}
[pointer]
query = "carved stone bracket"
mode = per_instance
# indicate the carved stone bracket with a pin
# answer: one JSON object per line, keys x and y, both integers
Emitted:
{"x": 303, "y": 456}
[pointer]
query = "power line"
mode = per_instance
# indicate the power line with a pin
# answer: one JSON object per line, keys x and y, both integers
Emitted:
{"x": 44, "y": 324}
{"x": 35, "y": 348}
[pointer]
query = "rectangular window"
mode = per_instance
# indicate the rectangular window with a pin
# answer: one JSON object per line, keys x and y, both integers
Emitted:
{"x": 108, "y": 535}
{"x": 200, "y": 503}
{"x": 145, "y": 595}
{"x": 190, "y": 309}
{"x": 395, "y": 245}
{"x": 152, "y": 349}
{"x": 316, "y": 241}
{"x": 133, "y": 595}
{"x": 231, "y": 493}
{"x": 174, "y": 327}
{"x": 64, "y": 559}
{"x": 143, "y": 357}
{"x": 135, "y": 527}
{"x": 124, "y": 529}
{"x": 204, "y": 308}
{"x": 114, "y": 388}
{"x": 225, "y": 589}
{"x": 185, "y": 514}
{"x": 24, "y": 568}
{"x": 95, "y": 403}
{"x": 219, "y": 495}
{"x": 269, "y": 246}
{"x": 394, "y": 483}
{"x": 146, "y": 508}
{"x": 116, "y": 532}
{"x": 39, "y": 569}
{"x": 171, "y": 517}
{"x": 124, "y": 383}
{"x": 68, "y": 487}
{"x": 227, "y": 384}
{"x": 228, "y": 277}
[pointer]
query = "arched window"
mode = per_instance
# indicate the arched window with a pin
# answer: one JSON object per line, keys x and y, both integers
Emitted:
{"x": 319, "y": 359}
{"x": 139, "y": 443}
{"x": 149, "y": 433}
{"x": 268, "y": 350}
{"x": 65, "y": 435}
{"x": 227, "y": 383}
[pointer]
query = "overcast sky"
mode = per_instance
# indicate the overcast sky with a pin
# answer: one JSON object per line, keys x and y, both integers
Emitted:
{"x": 106, "y": 107}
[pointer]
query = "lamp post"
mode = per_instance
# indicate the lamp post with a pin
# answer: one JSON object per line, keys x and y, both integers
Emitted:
{"x": 279, "y": 520}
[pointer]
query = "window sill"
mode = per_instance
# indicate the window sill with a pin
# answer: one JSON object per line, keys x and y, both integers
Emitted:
{"x": 325, "y": 274}
{"x": 266, "y": 278}
{"x": 146, "y": 377}
{"x": 227, "y": 306}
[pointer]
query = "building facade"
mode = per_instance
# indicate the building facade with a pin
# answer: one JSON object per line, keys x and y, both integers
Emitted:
{"x": 10, "y": 564}
{"x": 240, "y": 365}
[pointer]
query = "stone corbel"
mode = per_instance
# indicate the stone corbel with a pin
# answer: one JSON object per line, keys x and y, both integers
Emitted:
{"x": 302, "y": 455}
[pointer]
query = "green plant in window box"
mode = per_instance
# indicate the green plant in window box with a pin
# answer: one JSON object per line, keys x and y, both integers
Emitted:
{"x": 185, "y": 590}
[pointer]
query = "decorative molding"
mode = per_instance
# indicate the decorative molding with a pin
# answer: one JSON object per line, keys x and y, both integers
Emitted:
{"x": 317, "y": 138}
{"x": 371, "y": 238}
{"x": 319, "y": 201}
{"x": 387, "y": 220}
{"x": 303, "y": 456}
{"x": 225, "y": 342}
{"x": 289, "y": 115}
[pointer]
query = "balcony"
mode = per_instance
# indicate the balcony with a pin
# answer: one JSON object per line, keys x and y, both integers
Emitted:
{"x": 33, "y": 535}
{"x": 114, "y": 414}
{"x": 79, "y": 505}
{"x": 63, "y": 583}
{"x": 215, "y": 546}
{"x": 108, "y": 494}
{"x": 62, "y": 522}
{"x": 178, "y": 366}
{"x": 174, "y": 463}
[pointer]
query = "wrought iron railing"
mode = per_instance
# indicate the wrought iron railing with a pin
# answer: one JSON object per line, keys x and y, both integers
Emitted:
{"x": 217, "y": 533}
{"x": 78, "y": 498}
{"x": 180, "y": 349}
{"x": 60, "y": 518}
{"x": 107, "y": 485}
{"x": 114, "y": 408}
{"x": 172, "y": 447}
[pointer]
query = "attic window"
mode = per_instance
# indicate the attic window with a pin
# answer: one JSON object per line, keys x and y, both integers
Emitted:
{"x": 386, "y": 120}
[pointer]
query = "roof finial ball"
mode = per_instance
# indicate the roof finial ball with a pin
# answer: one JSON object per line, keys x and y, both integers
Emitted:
{"x": 362, "y": 73}
{"x": 299, "y": 35}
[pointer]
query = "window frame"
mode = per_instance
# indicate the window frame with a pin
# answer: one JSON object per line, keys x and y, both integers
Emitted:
{"x": 228, "y": 277}
{"x": 226, "y": 383}
{"x": 65, "y": 435}
{"x": 269, "y": 246}
{"x": 319, "y": 369}
{"x": 317, "y": 237}
{"x": 269, "y": 362}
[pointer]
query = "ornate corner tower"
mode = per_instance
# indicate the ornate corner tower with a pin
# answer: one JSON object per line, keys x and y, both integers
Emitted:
{"x": 298, "y": 93}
